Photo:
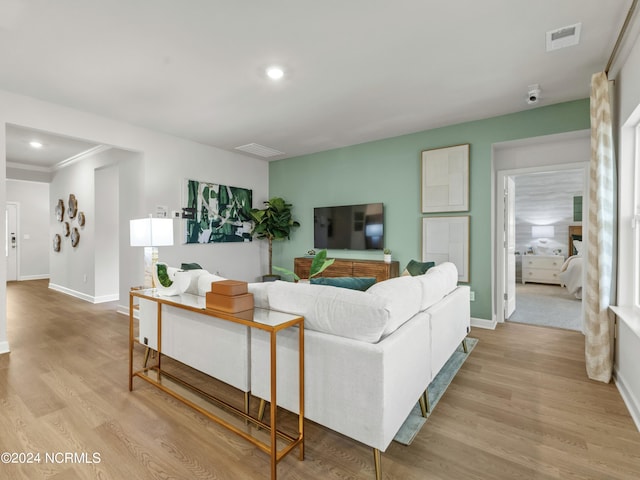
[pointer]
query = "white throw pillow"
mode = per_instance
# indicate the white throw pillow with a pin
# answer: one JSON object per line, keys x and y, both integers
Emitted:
{"x": 403, "y": 297}
{"x": 578, "y": 245}
{"x": 338, "y": 311}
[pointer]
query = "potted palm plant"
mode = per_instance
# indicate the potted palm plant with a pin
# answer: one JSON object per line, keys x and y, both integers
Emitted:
{"x": 273, "y": 222}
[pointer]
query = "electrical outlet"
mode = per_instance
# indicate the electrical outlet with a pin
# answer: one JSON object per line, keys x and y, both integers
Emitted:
{"x": 472, "y": 296}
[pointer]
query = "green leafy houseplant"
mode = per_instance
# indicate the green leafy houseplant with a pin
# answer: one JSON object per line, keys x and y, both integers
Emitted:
{"x": 274, "y": 222}
{"x": 318, "y": 265}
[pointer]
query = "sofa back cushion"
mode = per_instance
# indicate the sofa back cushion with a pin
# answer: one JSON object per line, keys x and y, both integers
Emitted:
{"x": 437, "y": 283}
{"x": 204, "y": 280}
{"x": 338, "y": 311}
{"x": 402, "y": 297}
{"x": 260, "y": 291}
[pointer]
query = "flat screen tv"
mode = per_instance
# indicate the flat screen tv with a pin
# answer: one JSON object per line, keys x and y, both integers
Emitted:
{"x": 353, "y": 227}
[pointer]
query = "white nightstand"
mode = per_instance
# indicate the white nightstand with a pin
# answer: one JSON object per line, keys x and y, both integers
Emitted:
{"x": 542, "y": 268}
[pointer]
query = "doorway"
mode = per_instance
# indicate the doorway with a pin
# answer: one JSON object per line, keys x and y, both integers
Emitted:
{"x": 553, "y": 153}
{"x": 547, "y": 217}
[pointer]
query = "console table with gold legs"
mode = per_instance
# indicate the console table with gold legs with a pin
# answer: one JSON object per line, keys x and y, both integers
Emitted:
{"x": 267, "y": 437}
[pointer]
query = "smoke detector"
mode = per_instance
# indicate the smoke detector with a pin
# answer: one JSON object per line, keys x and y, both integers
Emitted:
{"x": 533, "y": 95}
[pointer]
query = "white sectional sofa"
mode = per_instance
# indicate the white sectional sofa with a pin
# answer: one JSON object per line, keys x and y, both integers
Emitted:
{"x": 369, "y": 356}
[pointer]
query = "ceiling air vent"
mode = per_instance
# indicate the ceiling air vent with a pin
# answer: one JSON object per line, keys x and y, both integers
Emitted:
{"x": 259, "y": 150}
{"x": 563, "y": 37}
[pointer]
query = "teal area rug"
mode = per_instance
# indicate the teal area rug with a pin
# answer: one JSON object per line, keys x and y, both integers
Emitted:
{"x": 437, "y": 387}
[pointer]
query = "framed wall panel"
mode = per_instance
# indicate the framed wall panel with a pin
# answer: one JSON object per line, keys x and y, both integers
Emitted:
{"x": 446, "y": 239}
{"x": 445, "y": 179}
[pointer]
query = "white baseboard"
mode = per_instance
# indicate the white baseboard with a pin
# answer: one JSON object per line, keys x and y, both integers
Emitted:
{"x": 83, "y": 296}
{"x": 106, "y": 298}
{"x": 124, "y": 310}
{"x": 4, "y": 347}
{"x": 33, "y": 277}
{"x": 632, "y": 403}
{"x": 483, "y": 323}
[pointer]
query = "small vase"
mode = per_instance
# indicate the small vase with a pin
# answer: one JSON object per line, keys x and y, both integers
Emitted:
{"x": 387, "y": 258}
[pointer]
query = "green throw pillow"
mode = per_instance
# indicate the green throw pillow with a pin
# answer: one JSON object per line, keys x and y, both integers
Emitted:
{"x": 190, "y": 266}
{"x": 418, "y": 268}
{"x": 354, "y": 283}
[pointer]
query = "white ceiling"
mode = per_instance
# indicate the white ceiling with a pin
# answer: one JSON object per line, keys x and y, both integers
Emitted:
{"x": 356, "y": 70}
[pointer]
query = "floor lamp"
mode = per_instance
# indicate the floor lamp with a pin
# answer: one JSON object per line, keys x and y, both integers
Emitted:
{"x": 150, "y": 233}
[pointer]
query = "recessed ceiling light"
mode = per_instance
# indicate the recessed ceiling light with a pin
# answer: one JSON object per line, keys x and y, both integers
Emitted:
{"x": 275, "y": 73}
{"x": 35, "y": 144}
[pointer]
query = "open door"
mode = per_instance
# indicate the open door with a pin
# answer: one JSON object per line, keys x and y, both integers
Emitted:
{"x": 509, "y": 247}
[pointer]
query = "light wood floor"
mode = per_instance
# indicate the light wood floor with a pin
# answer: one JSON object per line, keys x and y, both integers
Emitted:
{"x": 521, "y": 407}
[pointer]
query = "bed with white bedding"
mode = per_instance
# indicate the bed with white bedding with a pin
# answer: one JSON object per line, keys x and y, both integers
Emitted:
{"x": 571, "y": 270}
{"x": 571, "y": 275}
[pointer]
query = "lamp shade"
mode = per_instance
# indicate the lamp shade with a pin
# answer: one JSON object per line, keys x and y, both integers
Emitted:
{"x": 542, "y": 231}
{"x": 151, "y": 232}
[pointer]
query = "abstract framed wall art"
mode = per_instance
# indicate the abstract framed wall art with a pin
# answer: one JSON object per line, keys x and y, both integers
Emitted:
{"x": 220, "y": 213}
{"x": 446, "y": 239}
{"x": 445, "y": 179}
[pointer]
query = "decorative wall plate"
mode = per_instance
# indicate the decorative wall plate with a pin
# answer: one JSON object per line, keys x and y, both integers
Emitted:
{"x": 81, "y": 219}
{"x": 59, "y": 209}
{"x": 73, "y": 206}
{"x": 56, "y": 242}
{"x": 75, "y": 237}
{"x": 65, "y": 229}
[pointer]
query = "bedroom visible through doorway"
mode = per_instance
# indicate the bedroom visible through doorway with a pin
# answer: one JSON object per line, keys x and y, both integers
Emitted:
{"x": 548, "y": 243}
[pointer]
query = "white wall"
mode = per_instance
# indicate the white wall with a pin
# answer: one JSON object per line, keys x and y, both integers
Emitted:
{"x": 626, "y": 106}
{"x": 88, "y": 270}
{"x": 33, "y": 241}
{"x": 546, "y": 198}
{"x": 156, "y": 180}
{"x": 107, "y": 227}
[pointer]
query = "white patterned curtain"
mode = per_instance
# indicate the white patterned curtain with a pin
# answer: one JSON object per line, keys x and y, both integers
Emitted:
{"x": 599, "y": 268}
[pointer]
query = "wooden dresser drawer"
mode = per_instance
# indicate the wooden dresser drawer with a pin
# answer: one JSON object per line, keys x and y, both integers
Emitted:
{"x": 542, "y": 268}
{"x": 553, "y": 262}
{"x": 350, "y": 268}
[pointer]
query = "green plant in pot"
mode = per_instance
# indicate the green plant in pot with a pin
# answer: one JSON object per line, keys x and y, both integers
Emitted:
{"x": 318, "y": 265}
{"x": 273, "y": 222}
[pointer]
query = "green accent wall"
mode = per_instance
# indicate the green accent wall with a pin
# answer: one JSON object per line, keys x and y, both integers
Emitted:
{"x": 389, "y": 171}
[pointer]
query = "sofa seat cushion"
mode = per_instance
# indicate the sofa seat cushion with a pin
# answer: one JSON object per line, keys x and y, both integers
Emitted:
{"x": 338, "y": 311}
{"x": 402, "y": 297}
